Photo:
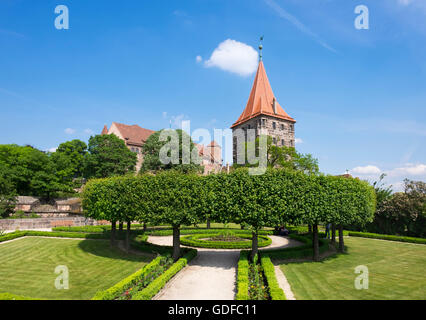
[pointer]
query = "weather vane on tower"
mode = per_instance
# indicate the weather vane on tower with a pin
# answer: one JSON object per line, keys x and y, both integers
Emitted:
{"x": 260, "y": 48}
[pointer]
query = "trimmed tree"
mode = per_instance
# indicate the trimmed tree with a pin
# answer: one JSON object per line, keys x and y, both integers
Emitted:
{"x": 175, "y": 200}
{"x": 253, "y": 202}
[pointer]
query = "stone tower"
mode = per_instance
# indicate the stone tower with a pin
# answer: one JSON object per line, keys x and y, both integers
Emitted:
{"x": 264, "y": 115}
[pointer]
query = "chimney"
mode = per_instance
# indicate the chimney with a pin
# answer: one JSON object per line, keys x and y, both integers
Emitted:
{"x": 274, "y": 106}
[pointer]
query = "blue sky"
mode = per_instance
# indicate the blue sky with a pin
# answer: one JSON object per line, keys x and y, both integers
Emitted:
{"x": 359, "y": 96}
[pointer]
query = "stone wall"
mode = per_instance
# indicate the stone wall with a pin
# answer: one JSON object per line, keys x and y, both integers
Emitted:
{"x": 283, "y": 132}
{"x": 44, "y": 223}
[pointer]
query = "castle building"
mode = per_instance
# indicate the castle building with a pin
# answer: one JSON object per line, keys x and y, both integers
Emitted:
{"x": 264, "y": 115}
{"x": 135, "y": 137}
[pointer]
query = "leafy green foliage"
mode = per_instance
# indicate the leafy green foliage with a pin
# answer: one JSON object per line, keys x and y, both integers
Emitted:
{"x": 108, "y": 156}
{"x": 401, "y": 213}
{"x": 260, "y": 201}
{"x": 31, "y": 172}
{"x": 243, "y": 277}
{"x": 275, "y": 291}
{"x": 7, "y": 192}
{"x": 153, "y": 145}
{"x": 155, "y": 286}
{"x": 280, "y": 156}
{"x": 127, "y": 287}
{"x": 386, "y": 237}
{"x": 69, "y": 160}
{"x": 197, "y": 241}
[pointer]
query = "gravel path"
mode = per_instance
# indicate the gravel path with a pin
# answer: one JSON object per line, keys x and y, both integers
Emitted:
{"x": 282, "y": 281}
{"x": 211, "y": 275}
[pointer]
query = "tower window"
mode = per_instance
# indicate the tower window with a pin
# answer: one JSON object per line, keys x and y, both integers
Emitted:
{"x": 274, "y": 125}
{"x": 282, "y": 126}
{"x": 263, "y": 122}
{"x": 274, "y": 140}
{"x": 282, "y": 142}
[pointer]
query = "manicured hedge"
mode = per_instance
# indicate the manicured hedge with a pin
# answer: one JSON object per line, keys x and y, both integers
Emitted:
{"x": 386, "y": 237}
{"x": 275, "y": 291}
{"x": 187, "y": 231}
{"x": 94, "y": 229}
{"x": 155, "y": 286}
{"x": 194, "y": 241}
{"x": 243, "y": 276}
{"x": 18, "y": 234}
{"x": 113, "y": 292}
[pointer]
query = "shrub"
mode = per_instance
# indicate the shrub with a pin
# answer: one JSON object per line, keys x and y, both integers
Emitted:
{"x": 275, "y": 291}
{"x": 194, "y": 241}
{"x": 113, "y": 292}
{"x": 242, "y": 276}
{"x": 386, "y": 237}
{"x": 155, "y": 286}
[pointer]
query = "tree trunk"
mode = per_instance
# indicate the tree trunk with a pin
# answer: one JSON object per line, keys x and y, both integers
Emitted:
{"x": 341, "y": 243}
{"x": 208, "y": 223}
{"x": 254, "y": 245}
{"x": 309, "y": 228}
{"x": 113, "y": 228}
{"x": 120, "y": 226}
{"x": 315, "y": 243}
{"x": 333, "y": 234}
{"x": 144, "y": 226}
{"x": 176, "y": 243}
{"x": 129, "y": 224}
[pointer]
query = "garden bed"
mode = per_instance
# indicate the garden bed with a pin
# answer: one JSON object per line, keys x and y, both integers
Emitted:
{"x": 256, "y": 280}
{"x": 128, "y": 287}
{"x": 224, "y": 241}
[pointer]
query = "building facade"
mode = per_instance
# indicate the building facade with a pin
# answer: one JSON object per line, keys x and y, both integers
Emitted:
{"x": 133, "y": 136}
{"x": 262, "y": 115}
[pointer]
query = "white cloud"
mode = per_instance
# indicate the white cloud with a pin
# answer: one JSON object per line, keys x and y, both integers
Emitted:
{"x": 409, "y": 170}
{"x": 235, "y": 57}
{"x": 69, "y": 131}
{"x": 52, "y": 149}
{"x": 88, "y": 131}
{"x": 298, "y": 140}
{"x": 198, "y": 59}
{"x": 366, "y": 170}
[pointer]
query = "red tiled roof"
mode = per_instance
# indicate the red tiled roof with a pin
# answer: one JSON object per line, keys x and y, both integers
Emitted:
{"x": 133, "y": 134}
{"x": 261, "y": 100}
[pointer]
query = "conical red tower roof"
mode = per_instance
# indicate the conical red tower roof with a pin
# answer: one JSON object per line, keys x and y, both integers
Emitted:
{"x": 261, "y": 100}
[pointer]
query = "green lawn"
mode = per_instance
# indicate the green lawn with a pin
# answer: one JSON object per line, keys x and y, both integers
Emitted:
{"x": 28, "y": 264}
{"x": 396, "y": 271}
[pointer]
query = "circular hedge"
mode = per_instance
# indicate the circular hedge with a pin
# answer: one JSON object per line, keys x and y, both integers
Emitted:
{"x": 198, "y": 240}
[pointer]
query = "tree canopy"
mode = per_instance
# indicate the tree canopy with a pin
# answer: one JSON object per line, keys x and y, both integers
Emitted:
{"x": 31, "y": 171}
{"x": 255, "y": 201}
{"x": 108, "y": 156}
{"x": 176, "y": 144}
{"x": 279, "y": 156}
